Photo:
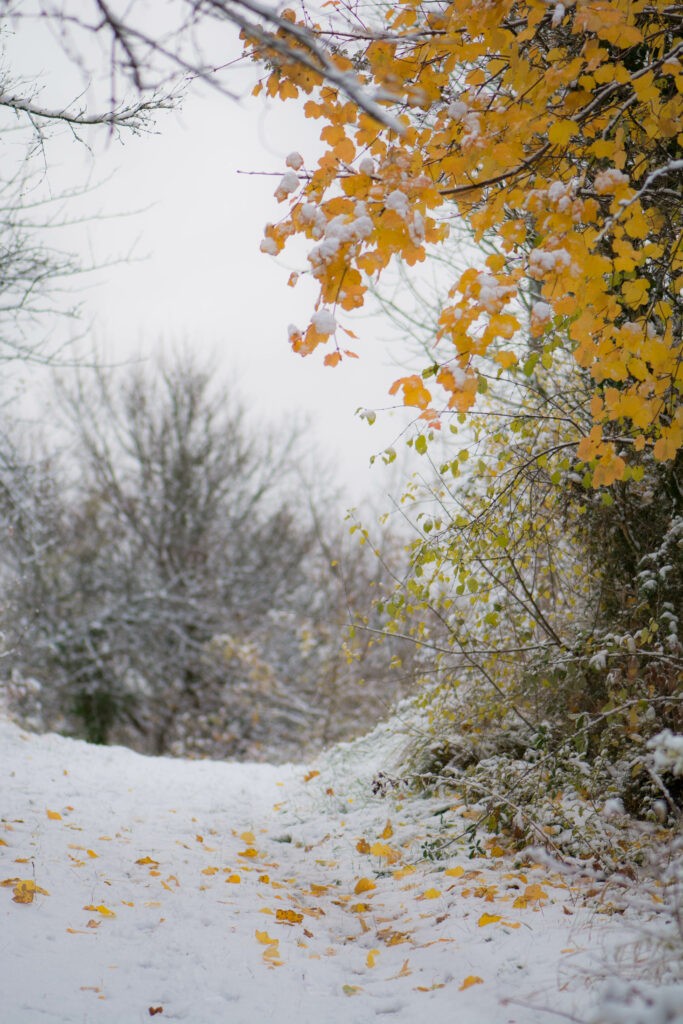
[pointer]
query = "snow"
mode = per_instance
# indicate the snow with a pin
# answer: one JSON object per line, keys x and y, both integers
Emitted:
{"x": 667, "y": 748}
{"x": 544, "y": 261}
{"x": 157, "y": 886}
{"x": 608, "y": 180}
{"x": 398, "y": 202}
{"x": 541, "y": 313}
{"x": 295, "y": 161}
{"x": 288, "y": 183}
{"x": 324, "y": 322}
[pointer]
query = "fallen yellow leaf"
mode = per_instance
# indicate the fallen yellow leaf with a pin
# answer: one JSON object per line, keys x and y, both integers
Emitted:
{"x": 388, "y": 831}
{"x": 54, "y": 815}
{"x": 290, "y": 916}
{"x": 471, "y": 979}
{"x": 101, "y": 909}
{"x": 364, "y": 885}
{"x": 488, "y": 919}
{"x": 430, "y": 894}
{"x": 265, "y": 939}
{"x": 455, "y": 872}
{"x": 351, "y": 990}
{"x": 371, "y": 958}
{"x": 25, "y": 889}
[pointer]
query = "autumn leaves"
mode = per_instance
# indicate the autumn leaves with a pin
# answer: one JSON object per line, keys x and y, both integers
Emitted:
{"x": 554, "y": 133}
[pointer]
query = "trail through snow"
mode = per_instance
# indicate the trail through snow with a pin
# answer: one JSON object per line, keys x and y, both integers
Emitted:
{"x": 209, "y": 893}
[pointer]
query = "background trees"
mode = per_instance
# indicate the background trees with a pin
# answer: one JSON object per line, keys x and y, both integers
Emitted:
{"x": 168, "y": 580}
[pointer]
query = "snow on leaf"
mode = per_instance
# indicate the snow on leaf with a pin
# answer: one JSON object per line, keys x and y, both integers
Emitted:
{"x": 351, "y": 990}
{"x": 311, "y": 775}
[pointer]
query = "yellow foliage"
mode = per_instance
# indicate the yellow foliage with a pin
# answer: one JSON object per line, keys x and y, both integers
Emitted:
{"x": 553, "y": 155}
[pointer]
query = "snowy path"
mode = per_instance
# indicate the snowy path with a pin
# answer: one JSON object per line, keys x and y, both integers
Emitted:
{"x": 229, "y": 894}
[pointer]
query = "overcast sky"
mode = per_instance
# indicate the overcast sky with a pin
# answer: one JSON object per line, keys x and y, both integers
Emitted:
{"x": 198, "y": 275}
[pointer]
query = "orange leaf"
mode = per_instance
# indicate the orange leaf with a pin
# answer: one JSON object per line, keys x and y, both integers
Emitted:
{"x": 54, "y": 815}
{"x": 364, "y": 885}
{"x": 471, "y": 979}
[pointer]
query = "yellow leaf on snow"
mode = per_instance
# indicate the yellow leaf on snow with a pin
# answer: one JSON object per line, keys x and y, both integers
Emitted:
{"x": 430, "y": 894}
{"x": 54, "y": 815}
{"x": 384, "y": 850}
{"x": 364, "y": 885}
{"x": 371, "y": 958}
{"x": 407, "y": 870}
{"x": 148, "y": 860}
{"x": 471, "y": 979}
{"x": 265, "y": 939}
{"x": 248, "y": 838}
{"x": 455, "y": 872}
{"x": 290, "y": 916}
{"x": 351, "y": 990}
{"x": 101, "y": 909}
{"x": 404, "y": 972}
{"x": 363, "y": 846}
{"x": 25, "y": 889}
{"x": 488, "y": 919}
{"x": 388, "y": 831}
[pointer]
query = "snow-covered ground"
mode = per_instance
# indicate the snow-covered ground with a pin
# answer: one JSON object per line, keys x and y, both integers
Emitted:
{"x": 210, "y": 893}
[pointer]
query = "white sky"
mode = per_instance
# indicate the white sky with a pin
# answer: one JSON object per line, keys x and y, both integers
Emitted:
{"x": 200, "y": 276}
